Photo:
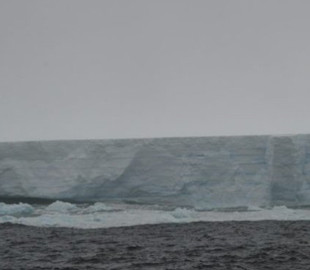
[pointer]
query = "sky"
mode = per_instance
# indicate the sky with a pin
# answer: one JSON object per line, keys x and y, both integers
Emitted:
{"x": 93, "y": 69}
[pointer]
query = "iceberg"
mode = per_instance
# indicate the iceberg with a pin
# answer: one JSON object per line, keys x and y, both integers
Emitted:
{"x": 201, "y": 173}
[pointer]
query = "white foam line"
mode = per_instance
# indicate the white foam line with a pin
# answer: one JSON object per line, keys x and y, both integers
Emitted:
{"x": 133, "y": 217}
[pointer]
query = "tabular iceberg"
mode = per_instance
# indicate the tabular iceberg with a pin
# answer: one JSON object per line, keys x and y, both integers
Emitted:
{"x": 204, "y": 173}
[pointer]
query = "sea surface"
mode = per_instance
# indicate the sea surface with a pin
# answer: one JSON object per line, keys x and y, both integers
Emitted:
{"x": 198, "y": 245}
{"x": 63, "y": 235}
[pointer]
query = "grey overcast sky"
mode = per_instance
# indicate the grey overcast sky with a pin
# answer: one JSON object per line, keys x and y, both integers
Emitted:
{"x": 72, "y": 69}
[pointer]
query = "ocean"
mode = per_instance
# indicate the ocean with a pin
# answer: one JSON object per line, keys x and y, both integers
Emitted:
{"x": 63, "y": 235}
{"x": 199, "y": 245}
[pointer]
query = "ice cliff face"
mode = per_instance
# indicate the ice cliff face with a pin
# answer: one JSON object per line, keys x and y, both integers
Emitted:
{"x": 210, "y": 172}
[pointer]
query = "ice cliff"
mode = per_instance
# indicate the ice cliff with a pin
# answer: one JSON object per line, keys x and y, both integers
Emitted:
{"x": 208, "y": 172}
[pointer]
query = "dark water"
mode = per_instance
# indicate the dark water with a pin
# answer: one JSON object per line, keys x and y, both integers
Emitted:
{"x": 203, "y": 245}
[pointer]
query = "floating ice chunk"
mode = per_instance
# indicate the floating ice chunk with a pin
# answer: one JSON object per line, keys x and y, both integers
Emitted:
{"x": 183, "y": 213}
{"x": 281, "y": 208}
{"x": 99, "y": 207}
{"x": 4, "y": 219}
{"x": 61, "y": 207}
{"x": 21, "y": 209}
{"x": 254, "y": 208}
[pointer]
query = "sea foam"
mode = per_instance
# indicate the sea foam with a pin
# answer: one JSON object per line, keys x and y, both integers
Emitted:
{"x": 80, "y": 216}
